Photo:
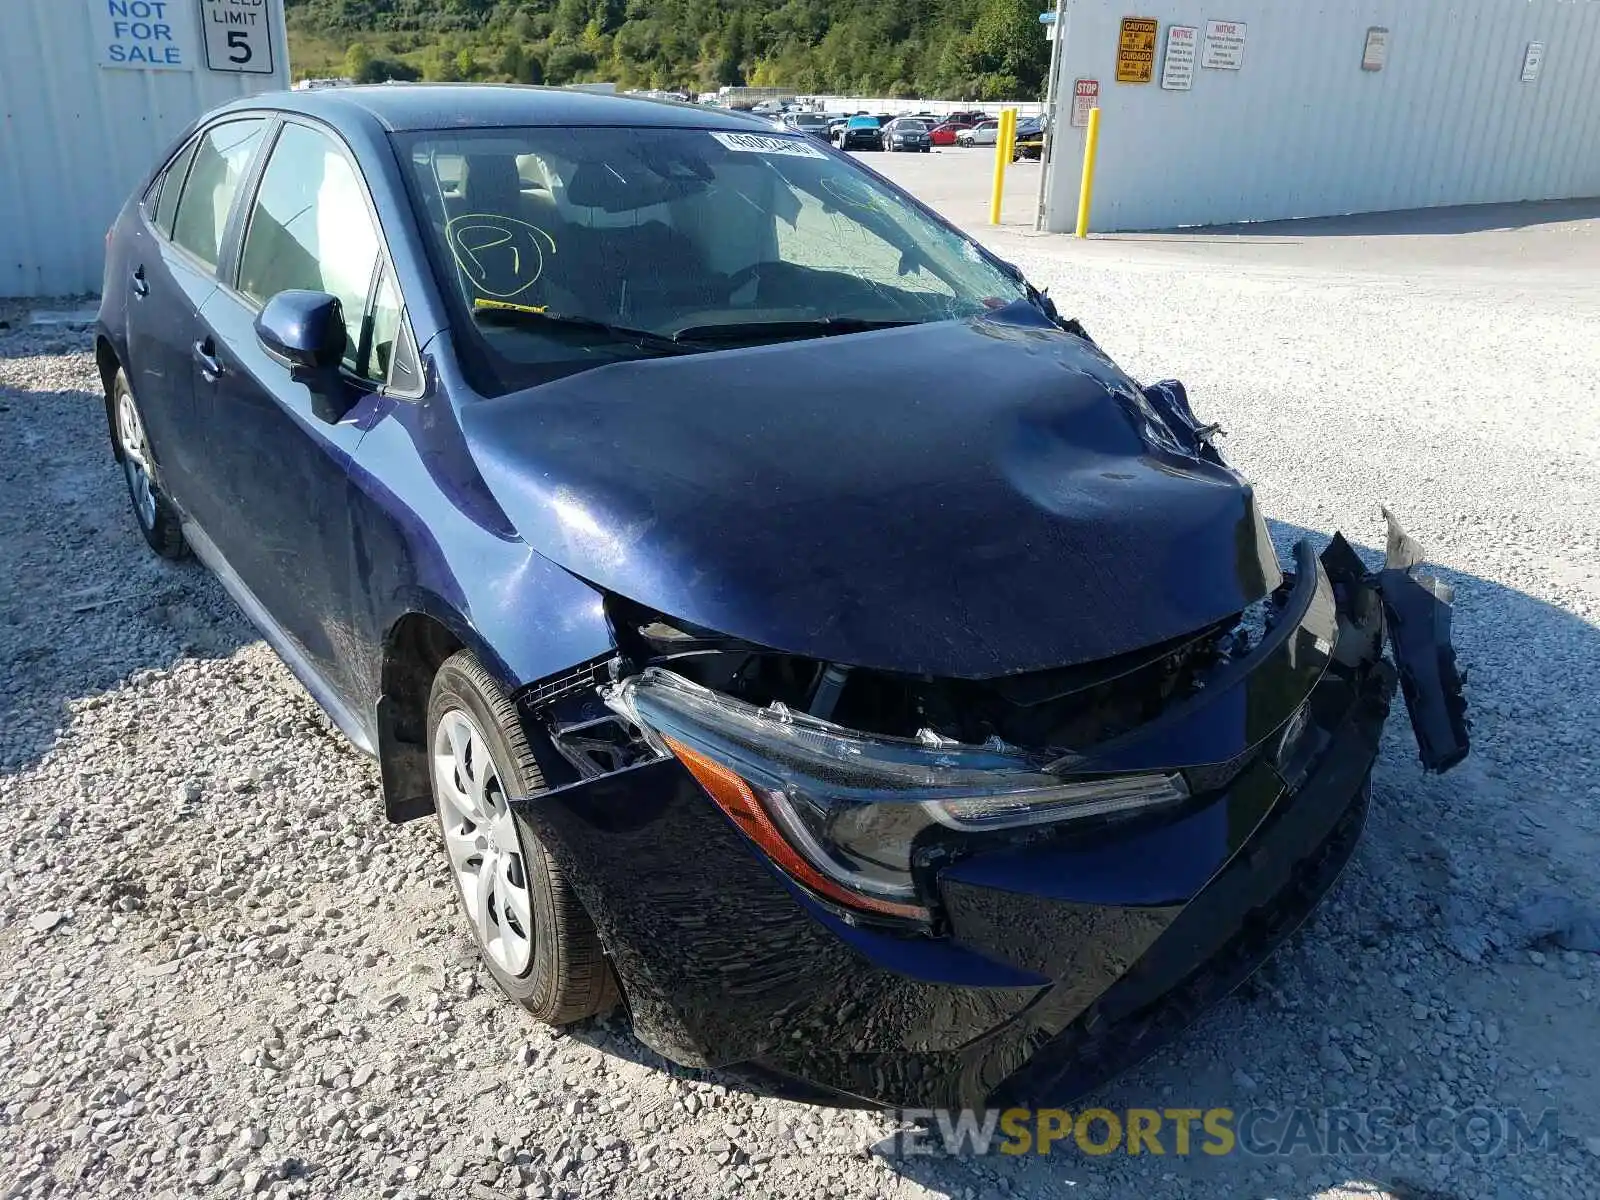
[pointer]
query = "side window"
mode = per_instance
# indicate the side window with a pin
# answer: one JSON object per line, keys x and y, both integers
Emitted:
{"x": 169, "y": 187}
{"x": 391, "y": 361}
{"x": 222, "y": 157}
{"x": 311, "y": 230}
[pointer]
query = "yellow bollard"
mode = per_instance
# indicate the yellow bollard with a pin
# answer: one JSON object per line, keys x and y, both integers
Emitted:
{"x": 1086, "y": 187}
{"x": 1003, "y": 144}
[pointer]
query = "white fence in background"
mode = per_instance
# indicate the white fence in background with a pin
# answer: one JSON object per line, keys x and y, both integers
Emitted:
{"x": 1319, "y": 109}
{"x": 880, "y": 104}
{"x": 91, "y": 92}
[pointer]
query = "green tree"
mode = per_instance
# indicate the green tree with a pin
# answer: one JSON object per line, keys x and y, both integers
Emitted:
{"x": 949, "y": 49}
{"x": 357, "y": 61}
{"x": 513, "y": 63}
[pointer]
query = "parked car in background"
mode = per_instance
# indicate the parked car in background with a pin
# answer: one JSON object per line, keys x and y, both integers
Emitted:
{"x": 799, "y": 630}
{"x": 861, "y": 133}
{"x": 907, "y": 134}
{"x": 944, "y": 133}
{"x": 814, "y": 123}
{"x": 1030, "y": 139}
{"x": 985, "y": 133}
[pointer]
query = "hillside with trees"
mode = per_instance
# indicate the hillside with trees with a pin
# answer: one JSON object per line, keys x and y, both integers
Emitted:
{"x": 950, "y": 49}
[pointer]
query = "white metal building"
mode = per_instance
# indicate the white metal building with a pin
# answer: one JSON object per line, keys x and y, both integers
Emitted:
{"x": 1256, "y": 110}
{"x": 91, "y": 93}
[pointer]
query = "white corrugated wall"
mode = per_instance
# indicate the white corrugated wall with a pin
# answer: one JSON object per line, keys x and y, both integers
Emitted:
{"x": 1301, "y": 130}
{"x": 76, "y": 137}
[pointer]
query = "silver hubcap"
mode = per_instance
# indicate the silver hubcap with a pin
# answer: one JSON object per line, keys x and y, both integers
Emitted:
{"x": 136, "y": 460}
{"x": 481, "y": 839}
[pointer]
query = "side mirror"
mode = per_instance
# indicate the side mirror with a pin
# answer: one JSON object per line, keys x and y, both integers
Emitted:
{"x": 303, "y": 330}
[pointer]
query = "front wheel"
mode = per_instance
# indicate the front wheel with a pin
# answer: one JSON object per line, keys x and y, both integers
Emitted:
{"x": 530, "y": 928}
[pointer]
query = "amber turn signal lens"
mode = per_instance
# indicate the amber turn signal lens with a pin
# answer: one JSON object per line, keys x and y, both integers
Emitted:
{"x": 736, "y": 798}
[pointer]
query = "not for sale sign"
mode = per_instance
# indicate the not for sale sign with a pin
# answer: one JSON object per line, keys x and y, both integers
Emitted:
{"x": 1085, "y": 95}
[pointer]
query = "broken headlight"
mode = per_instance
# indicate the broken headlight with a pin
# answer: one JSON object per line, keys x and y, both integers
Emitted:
{"x": 840, "y": 811}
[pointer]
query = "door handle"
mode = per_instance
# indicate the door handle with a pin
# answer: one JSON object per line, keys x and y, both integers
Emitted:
{"x": 205, "y": 353}
{"x": 140, "y": 286}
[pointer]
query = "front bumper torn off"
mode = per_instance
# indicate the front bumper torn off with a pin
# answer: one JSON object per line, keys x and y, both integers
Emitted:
{"x": 1058, "y": 961}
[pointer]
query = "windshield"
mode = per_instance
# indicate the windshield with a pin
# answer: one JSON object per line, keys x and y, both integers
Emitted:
{"x": 567, "y": 248}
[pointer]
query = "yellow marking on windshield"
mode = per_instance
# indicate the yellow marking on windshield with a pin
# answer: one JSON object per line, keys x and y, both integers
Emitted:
{"x": 498, "y": 254}
{"x": 507, "y": 306}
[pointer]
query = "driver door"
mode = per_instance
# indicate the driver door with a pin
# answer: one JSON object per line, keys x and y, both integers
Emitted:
{"x": 283, "y": 459}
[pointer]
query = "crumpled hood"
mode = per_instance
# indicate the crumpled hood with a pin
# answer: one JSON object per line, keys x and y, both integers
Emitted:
{"x": 963, "y": 499}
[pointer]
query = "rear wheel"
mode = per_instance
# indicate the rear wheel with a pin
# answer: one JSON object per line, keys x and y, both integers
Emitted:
{"x": 157, "y": 519}
{"x": 531, "y": 930}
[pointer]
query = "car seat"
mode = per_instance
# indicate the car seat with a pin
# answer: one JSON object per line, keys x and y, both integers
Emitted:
{"x": 506, "y": 240}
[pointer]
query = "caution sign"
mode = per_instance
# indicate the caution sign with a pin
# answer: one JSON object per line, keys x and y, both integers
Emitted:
{"x": 1136, "y": 50}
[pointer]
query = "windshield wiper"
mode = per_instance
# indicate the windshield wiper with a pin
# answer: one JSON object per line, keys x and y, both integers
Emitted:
{"x": 742, "y": 331}
{"x": 527, "y": 316}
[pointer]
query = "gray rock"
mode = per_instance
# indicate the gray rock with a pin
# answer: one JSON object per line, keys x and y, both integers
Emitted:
{"x": 44, "y": 922}
{"x": 1333, "y": 1058}
{"x": 1547, "y": 916}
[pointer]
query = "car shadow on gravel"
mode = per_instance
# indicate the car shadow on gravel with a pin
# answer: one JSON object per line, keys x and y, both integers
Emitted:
{"x": 85, "y": 607}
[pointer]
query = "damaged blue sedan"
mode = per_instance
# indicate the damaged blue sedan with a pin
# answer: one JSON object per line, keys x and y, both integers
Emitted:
{"x": 801, "y": 632}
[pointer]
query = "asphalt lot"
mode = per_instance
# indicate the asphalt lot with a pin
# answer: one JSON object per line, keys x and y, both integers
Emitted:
{"x": 1553, "y": 246}
{"x": 222, "y": 974}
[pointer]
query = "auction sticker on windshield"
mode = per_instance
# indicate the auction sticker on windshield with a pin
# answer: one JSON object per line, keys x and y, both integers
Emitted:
{"x": 760, "y": 143}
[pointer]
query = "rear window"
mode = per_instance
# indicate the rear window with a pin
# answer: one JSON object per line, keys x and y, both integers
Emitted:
{"x": 222, "y": 160}
{"x": 170, "y": 188}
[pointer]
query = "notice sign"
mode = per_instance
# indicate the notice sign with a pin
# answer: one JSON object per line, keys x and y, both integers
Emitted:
{"x": 238, "y": 35}
{"x": 1177, "y": 65}
{"x": 1531, "y": 60}
{"x": 144, "y": 35}
{"x": 1085, "y": 96}
{"x": 1224, "y": 49}
{"x": 1377, "y": 49}
{"x": 1136, "y": 50}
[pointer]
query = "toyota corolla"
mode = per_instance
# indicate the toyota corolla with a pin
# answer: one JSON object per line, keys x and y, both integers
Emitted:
{"x": 799, "y": 630}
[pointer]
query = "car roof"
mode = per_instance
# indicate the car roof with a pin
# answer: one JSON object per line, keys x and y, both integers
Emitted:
{"x": 405, "y": 107}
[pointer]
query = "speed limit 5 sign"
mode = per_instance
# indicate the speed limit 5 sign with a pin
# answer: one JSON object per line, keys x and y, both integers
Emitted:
{"x": 238, "y": 35}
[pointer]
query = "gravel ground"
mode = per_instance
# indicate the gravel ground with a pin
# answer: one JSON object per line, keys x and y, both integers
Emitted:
{"x": 222, "y": 973}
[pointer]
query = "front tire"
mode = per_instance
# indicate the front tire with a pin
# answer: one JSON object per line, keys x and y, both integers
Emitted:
{"x": 530, "y": 928}
{"x": 157, "y": 519}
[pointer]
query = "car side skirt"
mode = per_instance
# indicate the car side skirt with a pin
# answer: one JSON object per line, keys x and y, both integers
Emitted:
{"x": 282, "y": 644}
